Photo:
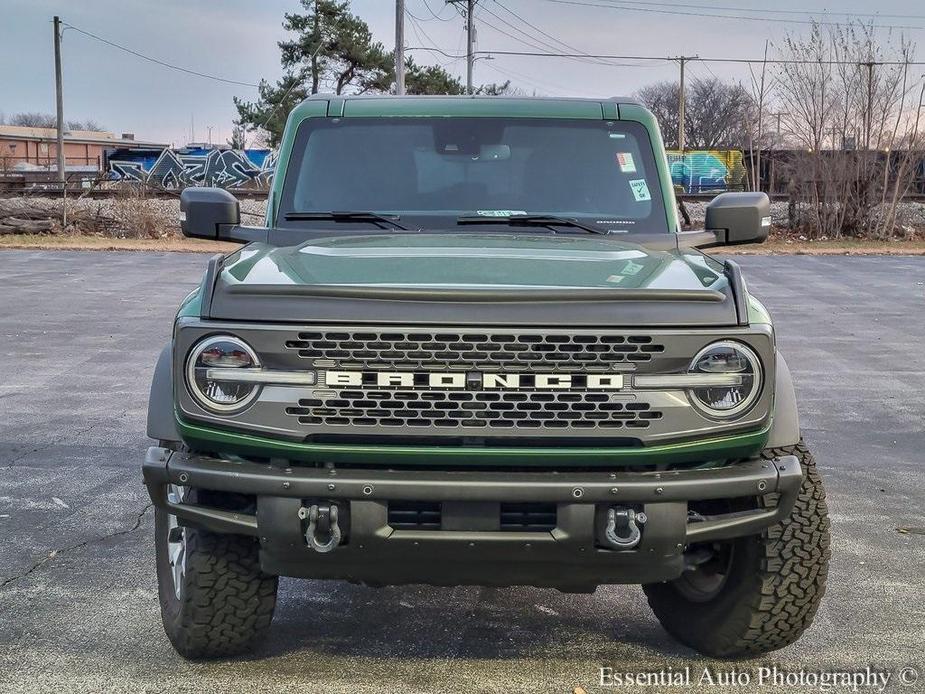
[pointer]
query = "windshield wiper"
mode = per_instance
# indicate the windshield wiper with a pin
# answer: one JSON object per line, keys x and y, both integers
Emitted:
{"x": 529, "y": 220}
{"x": 346, "y": 216}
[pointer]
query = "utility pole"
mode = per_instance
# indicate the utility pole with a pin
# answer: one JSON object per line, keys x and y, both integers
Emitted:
{"x": 470, "y": 43}
{"x": 59, "y": 103}
{"x": 470, "y": 38}
{"x": 400, "y": 47}
{"x": 682, "y": 60}
{"x": 316, "y": 36}
{"x": 868, "y": 112}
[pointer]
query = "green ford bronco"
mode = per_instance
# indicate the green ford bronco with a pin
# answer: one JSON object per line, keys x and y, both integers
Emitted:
{"x": 472, "y": 345}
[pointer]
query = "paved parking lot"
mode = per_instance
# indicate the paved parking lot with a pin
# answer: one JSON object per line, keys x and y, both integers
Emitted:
{"x": 80, "y": 332}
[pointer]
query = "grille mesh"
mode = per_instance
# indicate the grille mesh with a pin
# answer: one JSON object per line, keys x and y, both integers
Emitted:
{"x": 513, "y": 517}
{"x": 528, "y": 517}
{"x": 415, "y": 515}
{"x": 509, "y": 410}
{"x": 479, "y": 351}
{"x": 430, "y": 351}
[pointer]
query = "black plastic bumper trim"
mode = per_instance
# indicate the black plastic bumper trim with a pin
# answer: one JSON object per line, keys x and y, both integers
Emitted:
{"x": 753, "y": 478}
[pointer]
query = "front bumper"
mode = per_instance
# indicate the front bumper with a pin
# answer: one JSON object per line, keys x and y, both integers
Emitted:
{"x": 568, "y": 555}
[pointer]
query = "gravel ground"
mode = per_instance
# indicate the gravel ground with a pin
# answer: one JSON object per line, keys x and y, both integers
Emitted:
{"x": 78, "y": 603}
{"x": 125, "y": 215}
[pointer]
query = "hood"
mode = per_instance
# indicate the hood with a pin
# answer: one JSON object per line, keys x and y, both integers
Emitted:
{"x": 527, "y": 273}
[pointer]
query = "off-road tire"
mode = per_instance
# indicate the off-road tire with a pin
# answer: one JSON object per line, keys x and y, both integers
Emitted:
{"x": 226, "y": 602}
{"x": 773, "y": 586}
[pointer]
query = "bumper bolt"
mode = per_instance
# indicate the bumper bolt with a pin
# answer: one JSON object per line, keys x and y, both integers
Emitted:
{"x": 578, "y": 492}
{"x": 367, "y": 490}
{"x": 330, "y": 487}
{"x": 762, "y": 485}
{"x": 286, "y": 485}
{"x": 184, "y": 477}
{"x": 614, "y": 490}
{"x": 659, "y": 490}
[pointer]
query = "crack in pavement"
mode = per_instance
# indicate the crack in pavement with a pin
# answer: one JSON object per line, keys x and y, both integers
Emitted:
{"x": 55, "y": 442}
{"x": 58, "y": 552}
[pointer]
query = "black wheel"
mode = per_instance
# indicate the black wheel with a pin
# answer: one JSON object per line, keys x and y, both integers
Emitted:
{"x": 215, "y": 601}
{"x": 754, "y": 594}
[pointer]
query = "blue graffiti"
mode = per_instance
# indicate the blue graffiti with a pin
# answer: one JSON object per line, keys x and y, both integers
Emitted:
{"x": 193, "y": 166}
{"x": 698, "y": 171}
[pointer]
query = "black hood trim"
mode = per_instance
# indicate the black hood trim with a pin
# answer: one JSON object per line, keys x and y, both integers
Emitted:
{"x": 619, "y": 308}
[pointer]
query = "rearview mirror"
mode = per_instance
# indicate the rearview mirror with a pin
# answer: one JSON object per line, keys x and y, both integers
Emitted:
{"x": 739, "y": 217}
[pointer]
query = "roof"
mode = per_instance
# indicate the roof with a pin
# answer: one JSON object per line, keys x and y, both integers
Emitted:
{"x": 474, "y": 97}
{"x": 476, "y": 105}
{"x": 100, "y": 137}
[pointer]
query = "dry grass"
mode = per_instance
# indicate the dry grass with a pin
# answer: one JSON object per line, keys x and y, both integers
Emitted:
{"x": 828, "y": 247}
{"x": 103, "y": 243}
{"x": 173, "y": 243}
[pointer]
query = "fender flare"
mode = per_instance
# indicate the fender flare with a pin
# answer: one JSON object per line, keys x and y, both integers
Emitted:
{"x": 162, "y": 423}
{"x": 785, "y": 427}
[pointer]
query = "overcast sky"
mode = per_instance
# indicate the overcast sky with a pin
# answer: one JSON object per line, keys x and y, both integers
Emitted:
{"x": 236, "y": 39}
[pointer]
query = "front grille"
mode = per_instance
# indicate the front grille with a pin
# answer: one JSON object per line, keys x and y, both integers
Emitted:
{"x": 490, "y": 351}
{"x": 528, "y": 517}
{"x": 475, "y": 410}
{"x": 414, "y": 515}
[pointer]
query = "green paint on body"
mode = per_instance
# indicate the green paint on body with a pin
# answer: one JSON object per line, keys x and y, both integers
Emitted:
{"x": 483, "y": 260}
{"x": 722, "y": 448}
{"x": 511, "y": 260}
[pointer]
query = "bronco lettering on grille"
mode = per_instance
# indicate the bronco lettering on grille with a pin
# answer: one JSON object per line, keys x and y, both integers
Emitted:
{"x": 483, "y": 381}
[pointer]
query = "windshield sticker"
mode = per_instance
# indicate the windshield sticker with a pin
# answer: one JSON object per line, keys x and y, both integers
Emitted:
{"x": 631, "y": 268}
{"x": 640, "y": 189}
{"x": 625, "y": 159}
{"x": 616, "y": 279}
{"x": 499, "y": 213}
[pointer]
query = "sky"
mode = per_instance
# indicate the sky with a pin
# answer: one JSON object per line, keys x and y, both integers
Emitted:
{"x": 236, "y": 40}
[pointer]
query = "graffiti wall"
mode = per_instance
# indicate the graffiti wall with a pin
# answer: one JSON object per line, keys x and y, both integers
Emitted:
{"x": 193, "y": 166}
{"x": 707, "y": 171}
{"x": 701, "y": 171}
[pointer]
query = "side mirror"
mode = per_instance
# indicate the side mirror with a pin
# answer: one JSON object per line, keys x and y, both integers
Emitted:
{"x": 204, "y": 211}
{"x": 214, "y": 213}
{"x": 739, "y": 217}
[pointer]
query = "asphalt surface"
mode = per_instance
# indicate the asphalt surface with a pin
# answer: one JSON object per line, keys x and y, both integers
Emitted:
{"x": 79, "y": 334}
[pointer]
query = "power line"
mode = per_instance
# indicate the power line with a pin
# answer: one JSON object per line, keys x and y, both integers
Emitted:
{"x": 872, "y": 15}
{"x": 536, "y": 28}
{"x": 533, "y": 42}
{"x": 436, "y": 16}
{"x": 559, "y": 41}
{"x": 627, "y": 8}
{"x": 157, "y": 61}
{"x": 454, "y": 56}
{"x": 744, "y": 61}
{"x": 418, "y": 30}
{"x": 507, "y": 72}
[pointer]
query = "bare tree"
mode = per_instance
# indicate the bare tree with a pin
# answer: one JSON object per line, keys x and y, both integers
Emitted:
{"x": 755, "y": 126}
{"x": 88, "y": 124}
{"x": 716, "y": 113}
{"x": 34, "y": 119}
{"x": 846, "y": 100}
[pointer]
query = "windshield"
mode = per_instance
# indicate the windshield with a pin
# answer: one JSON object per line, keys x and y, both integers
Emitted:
{"x": 435, "y": 173}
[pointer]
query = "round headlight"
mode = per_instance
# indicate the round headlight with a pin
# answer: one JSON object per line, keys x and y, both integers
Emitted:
{"x": 214, "y": 358}
{"x": 729, "y": 359}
